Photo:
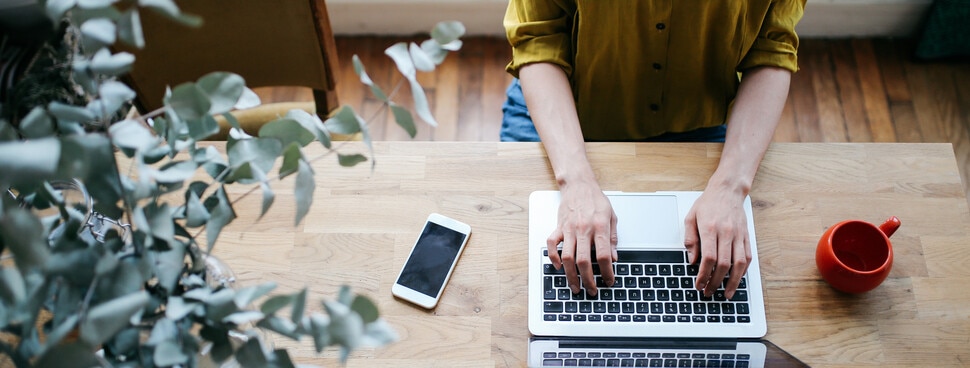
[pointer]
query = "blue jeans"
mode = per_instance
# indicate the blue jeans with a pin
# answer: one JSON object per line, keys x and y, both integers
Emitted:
{"x": 517, "y": 124}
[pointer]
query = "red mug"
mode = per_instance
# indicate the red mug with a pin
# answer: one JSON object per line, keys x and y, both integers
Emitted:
{"x": 855, "y": 256}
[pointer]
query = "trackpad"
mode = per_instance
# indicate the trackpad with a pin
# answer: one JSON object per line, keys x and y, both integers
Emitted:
{"x": 647, "y": 220}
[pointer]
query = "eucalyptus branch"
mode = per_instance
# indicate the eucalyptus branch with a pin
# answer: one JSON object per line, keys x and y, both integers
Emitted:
{"x": 387, "y": 103}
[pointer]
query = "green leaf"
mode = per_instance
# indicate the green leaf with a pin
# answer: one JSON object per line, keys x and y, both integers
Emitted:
{"x": 103, "y": 62}
{"x": 106, "y": 319}
{"x": 275, "y": 303}
{"x": 169, "y": 353}
{"x": 422, "y": 61}
{"x": 175, "y": 172}
{"x": 247, "y": 295}
{"x": 56, "y": 8}
{"x": 129, "y": 29}
{"x": 36, "y": 160}
{"x": 196, "y": 214}
{"x": 177, "y": 308}
{"x": 203, "y": 128}
{"x": 91, "y": 4}
{"x": 291, "y": 160}
{"x": 132, "y": 134}
{"x": 345, "y": 296}
{"x": 58, "y": 333}
{"x": 345, "y": 121}
{"x": 112, "y": 96}
{"x": 365, "y": 79}
{"x": 251, "y": 354}
{"x": 240, "y": 318}
{"x": 169, "y": 9}
{"x": 350, "y": 160}
{"x": 223, "y": 89}
{"x": 319, "y": 329}
{"x": 37, "y": 124}
{"x": 303, "y": 191}
{"x": 220, "y": 304}
{"x": 365, "y": 308}
{"x": 247, "y": 100}
{"x": 97, "y": 33}
{"x": 169, "y": 265}
{"x": 222, "y": 215}
{"x": 24, "y": 235}
{"x": 399, "y": 53}
{"x": 281, "y": 326}
{"x": 189, "y": 101}
{"x": 287, "y": 131}
{"x": 160, "y": 221}
{"x": 260, "y": 152}
{"x": 299, "y": 306}
{"x": 378, "y": 333}
{"x": 421, "y": 103}
{"x": 447, "y": 32}
{"x": 67, "y": 112}
{"x": 434, "y": 51}
{"x": 7, "y": 131}
{"x": 268, "y": 198}
{"x": 163, "y": 330}
{"x": 243, "y": 173}
{"x": 403, "y": 118}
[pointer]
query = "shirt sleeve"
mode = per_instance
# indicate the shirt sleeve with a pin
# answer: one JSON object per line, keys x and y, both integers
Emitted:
{"x": 777, "y": 43}
{"x": 539, "y": 31}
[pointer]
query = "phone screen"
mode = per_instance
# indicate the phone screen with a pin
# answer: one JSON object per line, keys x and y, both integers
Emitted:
{"x": 431, "y": 259}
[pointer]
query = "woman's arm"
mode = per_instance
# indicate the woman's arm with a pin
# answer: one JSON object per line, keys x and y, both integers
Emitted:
{"x": 716, "y": 227}
{"x": 586, "y": 218}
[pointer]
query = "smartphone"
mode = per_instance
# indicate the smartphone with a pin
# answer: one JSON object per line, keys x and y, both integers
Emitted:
{"x": 432, "y": 260}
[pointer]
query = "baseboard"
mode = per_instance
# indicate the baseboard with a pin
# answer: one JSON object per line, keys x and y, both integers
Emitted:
{"x": 823, "y": 18}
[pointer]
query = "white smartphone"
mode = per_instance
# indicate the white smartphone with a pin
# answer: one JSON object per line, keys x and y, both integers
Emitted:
{"x": 432, "y": 260}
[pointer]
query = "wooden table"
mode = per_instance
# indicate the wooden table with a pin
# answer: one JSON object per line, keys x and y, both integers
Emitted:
{"x": 363, "y": 223}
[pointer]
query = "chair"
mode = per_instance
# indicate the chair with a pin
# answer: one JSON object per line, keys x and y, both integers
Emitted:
{"x": 269, "y": 43}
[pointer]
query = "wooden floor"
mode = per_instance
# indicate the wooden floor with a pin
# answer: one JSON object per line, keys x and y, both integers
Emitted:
{"x": 858, "y": 90}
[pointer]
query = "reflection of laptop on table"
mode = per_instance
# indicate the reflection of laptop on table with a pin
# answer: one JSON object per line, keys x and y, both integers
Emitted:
{"x": 652, "y": 315}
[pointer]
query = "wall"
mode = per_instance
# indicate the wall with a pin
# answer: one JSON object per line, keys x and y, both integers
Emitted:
{"x": 823, "y": 18}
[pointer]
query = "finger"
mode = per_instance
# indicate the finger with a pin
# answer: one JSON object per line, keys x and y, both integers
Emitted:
{"x": 614, "y": 239}
{"x": 722, "y": 266}
{"x": 552, "y": 244}
{"x": 742, "y": 258}
{"x": 691, "y": 237}
{"x": 569, "y": 261}
{"x": 585, "y": 264}
{"x": 604, "y": 257}
{"x": 707, "y": 250}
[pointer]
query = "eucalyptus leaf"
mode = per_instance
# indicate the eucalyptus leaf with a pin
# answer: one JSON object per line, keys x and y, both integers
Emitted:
{"x": 223, "y": 89}
{"x": 37, "y": 124}
{"x": 203, "y": 128}
{"x": 404, "y": 119}
{"x": 177, "y": 308}
{"x": 24, "y": 235}
{"x": 247, "y": 100}
{"x": 310, "y": 122}
{"x": 262, "y": 153}
{"x": 37, "y": 160}
{"x": 244, "y": 317}
{"x": 78, "y": 353}
{"x": 275, "y": 303}
{"x": 12, "y": 288}
{"x": 422, "y": 61}
{"x": 55, "y": 9}
{"x": 434, "y": 51}
{"x": 243, "y": 173}
{"x": 222, "y": 214}
{"x": 163, "y": 330}
{"x": 189, "y": 101}
{"x": 129, "y": 29}
{"x": 299, "y": 306}
{"x": 287, "y": 131}
{"x": 345, "y": 121}
{"x": 365, "y": 79}
{"x": 169, "y": 353}
{"x": 268, "y": 198}
{"x": 91, "y": 4}
{"x": 196, "y": 214}
{"x": 132, "y": 134}
{"x": 378, "y": 333}
{"x": 233, "y": 122}
{"x": 175, "y": 172}
{"x": 169, "y": 265}
{"x": 61, "y": 330}
{"x": 281, "y": 326}
{"x": 251, "y": 354}
{"x": 160, "y": 222}
{"x": 446, "y": 33}
{"x": 66, "y": 112}
{"x": 247, "y": 295}
{"x": 103, "y": 62}
{"x": 106, "y": 319}
{"x": 402, "y": 58}
{"x": 7, "y": 131}
{"x": 350, "y": 160}
{"x": 291, "y": 160}
{"x": 319, "y": 329}
{"x": 303, "y": 191}
{"x": 365, "y": 308}
{"x": 97, "y": 33}
{"x": 421, "y": 103}
{"x": 220, "y": 304}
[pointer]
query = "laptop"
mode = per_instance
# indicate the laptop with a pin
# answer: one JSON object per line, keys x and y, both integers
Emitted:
{"x": 652, "y": 314}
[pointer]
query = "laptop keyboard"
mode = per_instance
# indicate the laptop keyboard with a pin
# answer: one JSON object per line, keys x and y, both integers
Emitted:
{"x": 643, "y": 359}
{"x": 650, "y": 287}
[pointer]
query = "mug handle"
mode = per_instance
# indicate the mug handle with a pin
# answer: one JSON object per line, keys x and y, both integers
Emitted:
{"x": 889, "y": 227}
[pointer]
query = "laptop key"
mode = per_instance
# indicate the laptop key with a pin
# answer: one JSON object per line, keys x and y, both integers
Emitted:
{"x": 552, "y": 307}
{"x": 552, "y": 363}
{"x": 594, "y": 318}
{"x": 571, "y": 363}
{"x": 549, "y": 317}
{"x": 548, "y": 269}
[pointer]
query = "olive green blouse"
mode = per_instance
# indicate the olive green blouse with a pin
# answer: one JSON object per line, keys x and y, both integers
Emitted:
{"x": 640, "y": 68}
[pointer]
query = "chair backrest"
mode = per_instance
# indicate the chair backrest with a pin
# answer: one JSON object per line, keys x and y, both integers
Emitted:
{"x": 267, "y": 42}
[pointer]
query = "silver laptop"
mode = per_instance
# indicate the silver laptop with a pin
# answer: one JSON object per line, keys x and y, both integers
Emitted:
{"x": 654, "y": 296}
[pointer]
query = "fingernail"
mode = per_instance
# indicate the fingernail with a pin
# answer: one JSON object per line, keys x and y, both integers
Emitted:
{"x": 592, "y": 292}
{"x": 610, "y": 282}
{"x": 575, "y": 289}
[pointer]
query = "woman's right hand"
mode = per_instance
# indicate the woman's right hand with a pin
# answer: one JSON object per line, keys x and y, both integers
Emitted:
{"x": 586, "y": 222}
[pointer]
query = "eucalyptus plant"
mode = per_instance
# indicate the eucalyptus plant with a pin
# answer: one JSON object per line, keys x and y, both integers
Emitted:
{"x": 139, "y": 293}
